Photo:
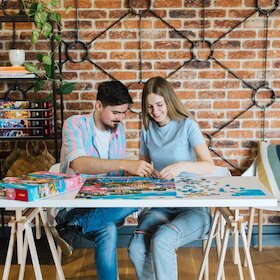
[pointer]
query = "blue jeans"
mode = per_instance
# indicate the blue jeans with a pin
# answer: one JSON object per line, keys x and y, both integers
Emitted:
{"x": 99, "y": 225}
{"x": 161, "y": 231}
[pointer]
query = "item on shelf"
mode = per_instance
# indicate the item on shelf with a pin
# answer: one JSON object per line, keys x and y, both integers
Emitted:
{"x": 126, "y": 187}
{"x": 26, "y": 114}
{"x": 26, "y": 132}
{"x": 30, "y": 104}
{"x": 26, "y": 123}
{"x": 16, "y": 57}
{"x": 16, "y": 153}
{"x": 13, "y": 69}
{"x": 15, "y": 72}
{"x": 38, "y": 185}
{"x": 31, "y": 160}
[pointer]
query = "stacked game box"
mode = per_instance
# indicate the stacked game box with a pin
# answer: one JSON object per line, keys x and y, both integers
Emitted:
{"x": 38, "y": 185}
{"x": 26, "y": 119}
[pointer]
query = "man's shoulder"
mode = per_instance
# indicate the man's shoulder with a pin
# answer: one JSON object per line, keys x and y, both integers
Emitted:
{"x": 78, "y": 118}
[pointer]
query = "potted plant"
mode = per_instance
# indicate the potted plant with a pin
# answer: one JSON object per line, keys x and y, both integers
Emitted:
{"x": 46, "y": 18}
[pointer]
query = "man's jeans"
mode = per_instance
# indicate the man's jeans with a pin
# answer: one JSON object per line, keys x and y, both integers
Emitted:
{"x": 99, "y": 225}
{"x": 160, "y": 232}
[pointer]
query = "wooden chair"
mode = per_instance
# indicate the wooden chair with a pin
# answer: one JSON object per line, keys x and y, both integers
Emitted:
{"x": 252, "y": 171}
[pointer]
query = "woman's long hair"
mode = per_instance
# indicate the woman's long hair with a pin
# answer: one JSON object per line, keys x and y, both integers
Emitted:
{"x": 175, "y": 107}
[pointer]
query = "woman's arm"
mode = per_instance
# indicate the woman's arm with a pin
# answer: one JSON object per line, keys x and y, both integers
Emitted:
{"x": 203, "y": 165}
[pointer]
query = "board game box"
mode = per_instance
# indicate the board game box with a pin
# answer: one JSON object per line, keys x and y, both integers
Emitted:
{"x": 38, "y": 185}
{"x": 16, "y": 105}
{"x": 26, "y": 114}
{"x": 25, "y": 123}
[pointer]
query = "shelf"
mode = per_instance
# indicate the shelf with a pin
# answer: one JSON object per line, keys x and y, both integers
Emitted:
{"x": 16, "y": 18}
{"x": 18, "y": 79}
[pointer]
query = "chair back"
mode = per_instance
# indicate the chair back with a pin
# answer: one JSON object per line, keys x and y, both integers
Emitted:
{"x": 220, "y": 172}
{"x": 268, "y": 166}
{"x": 55, "y": 168}
{"x": 251, "y": 171}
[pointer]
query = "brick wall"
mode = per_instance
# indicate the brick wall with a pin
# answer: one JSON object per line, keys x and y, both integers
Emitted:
{"x": 218, "y": 90}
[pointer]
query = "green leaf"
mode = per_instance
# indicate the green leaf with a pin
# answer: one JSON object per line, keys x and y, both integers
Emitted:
{"x": 38, "y": 85}
{"x": 40, "y": 6}
{"x": 55, "y": 17}
{"x": 41, "y": 17}
{"x": 53, "y": 3}
{"x": 48, "y": 69}
{"x": 66, "y": 88}
{"x": 34, "y": 36}
{"x": 30, "y": 67}
{"x": 40, "y": 57}
{"x": 57, "y": 37}
{"x": 47, "y": 59}
{"x": 47, "y": 29}
{"x": 33, "y": 9}
{"x": 68, "y": 8}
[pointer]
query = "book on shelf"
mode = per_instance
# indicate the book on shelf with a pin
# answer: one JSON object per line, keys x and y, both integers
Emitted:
{"x": 38, "y": 132}
{"x": 38, "y": 185}
{"x": 26, "y": 114}
{"x": 15, "y": 72}
{"x": 17, "y": 75}
{"x": 26, "y": 123}
{"x": 24, "y": 104}
{"x": 126, "y": 188}
{"x": 13, "y": 69}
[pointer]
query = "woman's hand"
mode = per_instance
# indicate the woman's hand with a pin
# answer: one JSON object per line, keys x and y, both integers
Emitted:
{"x": 171, "y": 171}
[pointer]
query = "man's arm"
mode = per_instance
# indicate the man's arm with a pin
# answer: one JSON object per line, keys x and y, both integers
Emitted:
{"x": 91, "y": 165}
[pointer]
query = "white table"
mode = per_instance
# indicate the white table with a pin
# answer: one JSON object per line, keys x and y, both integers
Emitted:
{"x": 222, "y": 198}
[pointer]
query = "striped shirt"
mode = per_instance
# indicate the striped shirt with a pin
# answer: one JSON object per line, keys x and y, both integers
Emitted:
{"x": 78, "y": 139}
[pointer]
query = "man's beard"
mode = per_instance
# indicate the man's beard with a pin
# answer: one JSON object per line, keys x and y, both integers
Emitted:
{"x": 112, "y": 127}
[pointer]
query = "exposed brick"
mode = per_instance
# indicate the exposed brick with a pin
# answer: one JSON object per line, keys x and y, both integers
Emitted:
{"x": 167, "y": 3}
{"x": 108, "y": 4}
{"x": 122, "y": 35}
{"x": 240, "y": 134}
{"x": 79, "y": 106}
{"x": 82, "y": 4}
{"x": 225, "y": 3}
{"x": 166, "y": 65}
{"x": 108, "y": 45}
{"x": 167, "y": 45}
{"x": 132, "y": 144}
{"x": 133, "y": 125}
{"x": 226, "y": 23}
{"x": 211, "y": 75}
{"x": 154, "y": 55}
{"x": 241, "y": 55}
{"x": 182, "y": 14}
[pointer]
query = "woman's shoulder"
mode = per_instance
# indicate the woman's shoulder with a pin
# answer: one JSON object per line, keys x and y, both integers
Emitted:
{"x": 188, "y": 122}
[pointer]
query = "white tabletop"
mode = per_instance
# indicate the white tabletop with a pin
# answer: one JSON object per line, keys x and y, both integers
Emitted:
{"x": 224, "y": 192}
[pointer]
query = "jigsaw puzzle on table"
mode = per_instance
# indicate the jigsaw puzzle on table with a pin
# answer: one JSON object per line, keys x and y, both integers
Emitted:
{"x": 126, "y": 187}
{"x": 200, "y": 187}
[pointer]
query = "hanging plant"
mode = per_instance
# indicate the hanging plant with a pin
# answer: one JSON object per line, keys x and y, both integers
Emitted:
{"x": 46, "y": 18}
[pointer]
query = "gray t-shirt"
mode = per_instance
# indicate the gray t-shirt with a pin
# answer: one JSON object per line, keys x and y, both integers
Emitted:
{"x": 171, "y": 143}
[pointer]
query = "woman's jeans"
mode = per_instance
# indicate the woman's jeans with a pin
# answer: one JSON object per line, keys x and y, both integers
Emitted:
{"x": 161, "y": 231}
{"x": 99, "y": 225}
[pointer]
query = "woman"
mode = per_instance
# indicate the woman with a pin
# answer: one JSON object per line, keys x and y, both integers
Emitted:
{"x": 173, "y": 142}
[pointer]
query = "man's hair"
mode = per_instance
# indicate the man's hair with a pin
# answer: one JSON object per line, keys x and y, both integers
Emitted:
{"x": 113, "y": 93}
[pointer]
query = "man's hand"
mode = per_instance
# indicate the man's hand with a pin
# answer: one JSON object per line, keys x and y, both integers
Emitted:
{"x": 139, "y": 168}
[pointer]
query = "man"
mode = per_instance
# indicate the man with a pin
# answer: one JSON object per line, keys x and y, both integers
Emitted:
{"x": 95, "y": 144}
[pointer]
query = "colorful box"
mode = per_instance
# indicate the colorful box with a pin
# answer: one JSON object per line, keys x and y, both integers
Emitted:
{"x": 38, "y": 185}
